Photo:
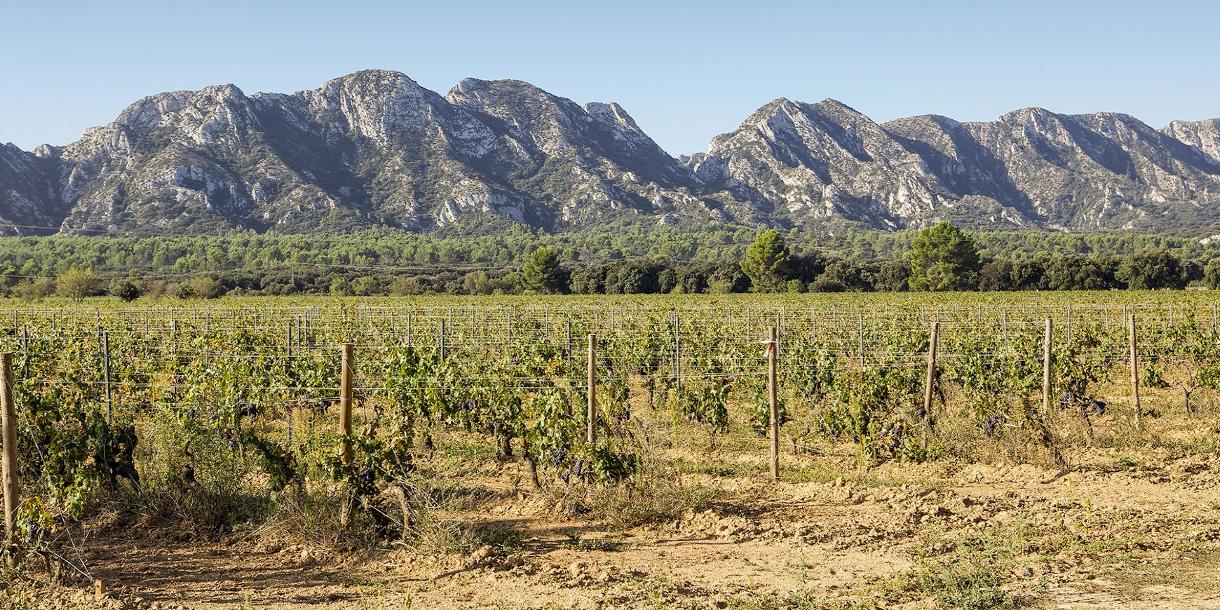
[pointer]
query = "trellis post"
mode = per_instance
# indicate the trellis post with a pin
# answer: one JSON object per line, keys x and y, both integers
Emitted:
{"x": 591, "y": 393}
{"x": 930, "y": 379}
{"x": 1046, "y": 367}
{"x": 345, "y": 401}
{"x": 11, "y": 471}
{"x": 440, "y": 338}
{"x": 1135, "y": 372}
{"x": 773, "y": 402}
{"x": 677, "y": 353}
{"x": 106, "y": 376}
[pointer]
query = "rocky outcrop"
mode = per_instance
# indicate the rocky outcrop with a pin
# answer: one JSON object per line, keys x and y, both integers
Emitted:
{"x": 375, "y": 148}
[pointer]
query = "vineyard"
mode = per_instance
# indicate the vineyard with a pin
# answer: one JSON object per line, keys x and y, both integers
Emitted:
{"x": 211, "y": 416}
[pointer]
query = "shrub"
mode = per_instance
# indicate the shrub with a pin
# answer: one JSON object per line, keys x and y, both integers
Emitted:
{"x": 77, "y": 284}
{"x": 126, "y": 289}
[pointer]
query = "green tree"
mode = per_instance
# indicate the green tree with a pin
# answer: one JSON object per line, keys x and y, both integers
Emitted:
{"x": 589, "y": 280}
{"x": 766, "y": 261}
{"x": 633, "y": 277}
{"x": 365, "y": 285}
{"x": 1211, "y": 277}
{"x": 205, "y": 287}
{"x": 406, "y": 286}
{"x": 182, "y": 291}
{"x": 34, "y": 290}
{"x": 943, "y": 258}
{"x": 1153, "y": 269}
{"x": 478, "y": 282}
{"x": 893, "y": 276}
{"x": 542, "y": 272}
{"x": 77, "y": 284}
{"x": 340, "y": 287}
{"x": 126, "y": 289}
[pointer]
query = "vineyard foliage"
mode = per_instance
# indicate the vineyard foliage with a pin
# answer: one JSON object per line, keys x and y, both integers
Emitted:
{"x": 239, "y": 399}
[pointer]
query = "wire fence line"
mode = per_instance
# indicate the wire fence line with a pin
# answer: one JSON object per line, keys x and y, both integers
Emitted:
{"x": 151, "y": 350}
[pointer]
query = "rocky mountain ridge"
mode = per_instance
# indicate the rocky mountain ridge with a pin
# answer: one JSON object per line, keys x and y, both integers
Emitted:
{"x": 374, "y": 148}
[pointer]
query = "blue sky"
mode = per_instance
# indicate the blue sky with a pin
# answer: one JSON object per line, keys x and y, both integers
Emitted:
{"x": 685, "y": 70}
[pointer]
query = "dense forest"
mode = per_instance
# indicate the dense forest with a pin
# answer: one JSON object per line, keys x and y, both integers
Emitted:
{"x": 610, "y": 260}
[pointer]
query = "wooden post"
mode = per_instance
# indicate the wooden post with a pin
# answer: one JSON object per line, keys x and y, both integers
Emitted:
{"x": 1046, "y": 367}
{"x": 1135, "y": 371}
{"x": 861, "y": 329}
{"x": 288, "y": 341}
{"x": 106, "y": 376}
{"x": 779, "y": 326}
{"x": 345, "y": 402}
{"x": 11, "y": 470}
{"x": 677, "y": 353}
{"x": 441, "y": 339}
{"x": 773, "y": 403}
{"x": 591, "y": 392}
{"x": 930, "y": 379}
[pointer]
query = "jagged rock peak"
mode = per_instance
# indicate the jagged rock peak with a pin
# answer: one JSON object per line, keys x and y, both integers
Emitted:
{"x": 375, "y": 147}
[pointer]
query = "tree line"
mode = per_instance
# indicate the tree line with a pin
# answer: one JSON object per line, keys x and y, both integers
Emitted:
{"x": 939, "y": 258}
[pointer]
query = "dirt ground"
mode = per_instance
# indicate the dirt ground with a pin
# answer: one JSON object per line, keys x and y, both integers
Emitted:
{"x": 1132, "y": 522}
{"x": 1119, "y": 530}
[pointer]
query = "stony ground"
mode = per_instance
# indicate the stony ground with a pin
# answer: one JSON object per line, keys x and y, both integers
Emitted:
{"x": 1134, "y": 522}
{"x": 1117, "y": 531}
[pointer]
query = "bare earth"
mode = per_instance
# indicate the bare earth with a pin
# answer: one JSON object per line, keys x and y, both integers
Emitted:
{"x": 1119, "y": 530}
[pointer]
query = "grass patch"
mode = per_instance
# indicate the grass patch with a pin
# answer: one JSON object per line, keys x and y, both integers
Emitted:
{"x": 656, "y": 494}
{"x": 969, "y": 573}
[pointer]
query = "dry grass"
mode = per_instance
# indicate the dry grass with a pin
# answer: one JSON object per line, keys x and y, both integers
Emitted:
{"x": 657, "y": 493}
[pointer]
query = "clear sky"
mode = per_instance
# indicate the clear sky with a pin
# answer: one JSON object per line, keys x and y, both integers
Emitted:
{"x": 685, "y": 70}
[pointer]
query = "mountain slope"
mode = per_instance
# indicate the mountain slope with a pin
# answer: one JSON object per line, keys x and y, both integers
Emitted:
{"x": 29, "y": 198}
{"x": 1030, "y": 168}
{"x": 820, "y": 161}
{"x": 371, "y": 148}
{"x": 1098, "y": 171}
{"x": 1203, "y": 135}
{"x": 374, "y": 148}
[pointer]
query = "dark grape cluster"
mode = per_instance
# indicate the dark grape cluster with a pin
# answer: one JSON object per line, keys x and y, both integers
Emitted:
{"x": 991, "y": 425}
{"x": 559, "y": 455}
{"x": 366, "y": 482}
{"x": 247, "y": 409}
{"x": 1097, "y": 407}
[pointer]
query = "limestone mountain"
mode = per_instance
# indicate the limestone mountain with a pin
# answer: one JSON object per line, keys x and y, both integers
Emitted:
{"x": 371, "y": 148}
{"x": 374, "y": 148}
{"x": 1031, "y": 168}
{"x": 1203, "y": 135}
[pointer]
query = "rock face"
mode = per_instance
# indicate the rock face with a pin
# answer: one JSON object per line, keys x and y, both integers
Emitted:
{"x": 1031, "y": 168}
{"x": 29, "y": 193}
{"x": 375, "y": 148}
{"x": 371, "y": 148}
{"x": 1203, "y": 135}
